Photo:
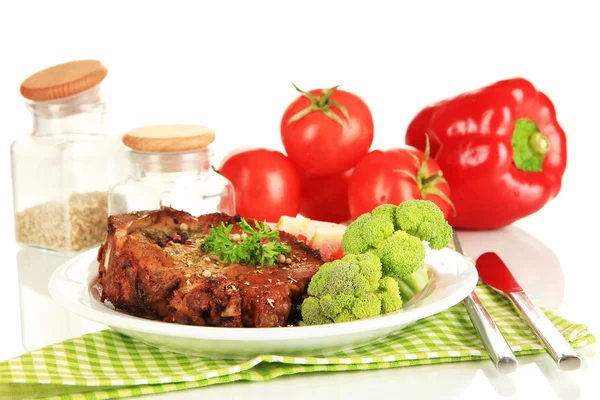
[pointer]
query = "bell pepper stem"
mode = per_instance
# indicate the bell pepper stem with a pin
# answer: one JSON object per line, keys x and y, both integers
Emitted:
{"x": 530, "y": 146}
{"x": 539, "y": 144}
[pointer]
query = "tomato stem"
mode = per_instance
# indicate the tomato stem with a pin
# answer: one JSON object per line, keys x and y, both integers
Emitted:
{"x": 423, "y": 171}
{"x": 430, "y": 179}
{"x": 428, "y": 183}
{"x": 321, "y": 103}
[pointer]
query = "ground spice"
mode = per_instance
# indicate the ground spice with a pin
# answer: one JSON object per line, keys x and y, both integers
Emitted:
{"x": 78, "y": 225}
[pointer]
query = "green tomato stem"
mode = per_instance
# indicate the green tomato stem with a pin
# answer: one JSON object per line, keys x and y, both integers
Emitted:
{"x": 428, "y": 183}
{"x": 322, "y": 103}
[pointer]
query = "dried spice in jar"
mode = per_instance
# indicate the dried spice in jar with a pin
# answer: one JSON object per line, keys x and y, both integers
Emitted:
{"x": 63, "y": 169}
{"x": 76, "y": 226}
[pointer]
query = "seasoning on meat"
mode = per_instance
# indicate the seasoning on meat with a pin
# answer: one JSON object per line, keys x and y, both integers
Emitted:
{"x": 146, "y": 270}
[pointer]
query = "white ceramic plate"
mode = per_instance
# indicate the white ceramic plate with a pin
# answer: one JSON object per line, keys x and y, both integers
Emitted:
{"x": 72, "y": 286}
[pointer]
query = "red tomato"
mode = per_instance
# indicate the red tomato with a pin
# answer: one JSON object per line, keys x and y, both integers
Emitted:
{"x": 266, "y": 183}
{"x": 394, "y": 176}
{"x": 325, "y": 198}
{"x": 326, "y": 132}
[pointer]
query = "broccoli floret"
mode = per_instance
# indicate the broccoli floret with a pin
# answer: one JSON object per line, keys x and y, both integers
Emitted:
{"x": 388, "y": 292}
{"x": 349, "y": 289}
{"x": 403, "y": 258}
{"x": 336, "y": 277}
{"x": 312, "y": 313}
{"x": 353, "y": 274}
{"x": 401, "y": 254}
{"x": 367, "y": 232}
{"x": 369, "y": 267}
{"x": 395, "y": 235}
{"x": 356, "y": 274}
{"x": 333, "y": 305}
{"x": 352, "y": 241}
{"x": 387, "y": 210}
{"x": 425, "y": 220}
{"x": 376, "y": 228}
{"x": 366, "y": 306}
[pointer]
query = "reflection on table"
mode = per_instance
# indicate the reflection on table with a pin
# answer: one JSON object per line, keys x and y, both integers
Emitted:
{"x": 43, "y": 322}
{"x": 535, "y": 266}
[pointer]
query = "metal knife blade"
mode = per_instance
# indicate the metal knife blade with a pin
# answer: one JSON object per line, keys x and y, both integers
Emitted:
{"x": 498, "y": 349}
{"x": 494, "y": 272}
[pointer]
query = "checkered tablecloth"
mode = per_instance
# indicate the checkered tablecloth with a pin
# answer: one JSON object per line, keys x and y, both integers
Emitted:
{"x": 108, "y": 365}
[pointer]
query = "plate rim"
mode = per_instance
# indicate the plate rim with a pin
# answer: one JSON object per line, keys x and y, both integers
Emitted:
{"x": 121, "y": 321}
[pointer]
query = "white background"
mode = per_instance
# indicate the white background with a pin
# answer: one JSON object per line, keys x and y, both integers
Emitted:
{"x": 228, "y": 65}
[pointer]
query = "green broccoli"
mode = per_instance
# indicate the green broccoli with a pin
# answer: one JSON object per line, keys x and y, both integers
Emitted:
{"x": 425, "y": 220}
{"x": 367, "y": 232}
{"x": 387, "y": 210}
{"x": 395, "y": 234}
{"x": 349, "y": 289}
{"x": 401, "y": 254}
{"x": 388, "y": 292}
{"x": 352, "y": 240}
{"x": 403, "y": 258}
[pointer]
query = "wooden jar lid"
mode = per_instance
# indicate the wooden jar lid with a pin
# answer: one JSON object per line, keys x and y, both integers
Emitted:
{"x": 168, "y": 138}
{"x": 63, "y": 80}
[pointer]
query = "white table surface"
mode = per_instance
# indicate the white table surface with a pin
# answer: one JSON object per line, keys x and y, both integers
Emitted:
{"x": 398, "y": 56}
{"x": 558, "y": 277}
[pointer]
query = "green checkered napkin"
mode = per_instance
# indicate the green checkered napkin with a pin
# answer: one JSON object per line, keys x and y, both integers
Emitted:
{"x": 108, "y": 365}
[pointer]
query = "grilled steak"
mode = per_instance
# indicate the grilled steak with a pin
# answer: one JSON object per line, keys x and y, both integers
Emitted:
{"x": 146, "y": 270}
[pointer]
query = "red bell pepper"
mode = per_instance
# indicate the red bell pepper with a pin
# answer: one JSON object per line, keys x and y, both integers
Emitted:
{"x": 501, "y": 148}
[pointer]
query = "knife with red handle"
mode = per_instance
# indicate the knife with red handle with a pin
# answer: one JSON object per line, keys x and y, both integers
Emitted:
{"x": 496, "y": 274}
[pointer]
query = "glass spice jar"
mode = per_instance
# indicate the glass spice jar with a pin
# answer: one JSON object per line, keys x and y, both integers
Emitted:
{"x": 170, "y": 167}
{"x": 62, "y": 170}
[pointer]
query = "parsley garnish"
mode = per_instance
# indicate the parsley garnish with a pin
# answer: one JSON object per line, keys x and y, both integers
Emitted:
{"x": 258, "y": 247}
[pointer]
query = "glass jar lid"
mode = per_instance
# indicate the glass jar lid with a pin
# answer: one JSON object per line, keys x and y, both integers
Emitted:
{"x": 63, "y": 80}
{"x": 168, "y": 138}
